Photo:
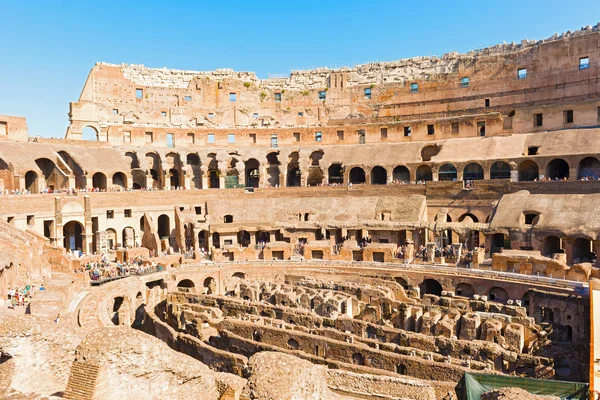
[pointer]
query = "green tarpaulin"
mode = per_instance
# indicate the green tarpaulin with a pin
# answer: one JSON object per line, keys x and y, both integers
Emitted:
{"x": 472, "y": 386}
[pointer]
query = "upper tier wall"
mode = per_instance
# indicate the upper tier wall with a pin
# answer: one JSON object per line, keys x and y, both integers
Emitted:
{"x": 421, "y": 98}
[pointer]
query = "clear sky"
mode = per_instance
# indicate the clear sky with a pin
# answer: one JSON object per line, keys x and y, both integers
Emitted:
{"x": 48, "y": 47}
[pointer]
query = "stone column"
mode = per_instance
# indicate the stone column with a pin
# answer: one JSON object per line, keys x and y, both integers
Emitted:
{"x": 457, "y": 250}
{"x": 72, "y": 182}
{"x": 434, "y": 175}
{"x": 222, "y": 175}
{"x": 430, "y": 251}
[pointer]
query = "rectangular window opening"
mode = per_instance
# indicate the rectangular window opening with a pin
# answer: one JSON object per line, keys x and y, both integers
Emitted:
{"x": 255, "y": 115}
{"x": 253, "y": 137}
{"x": 430, "y": 129}
{"x": 300, "y": 113}
{"x": 414, "y": 87}
{"x": 278, "y": 97}
{"x": 297, "y": 136}
{"x": 340, "y": 134}
{"x": 368, "y": 93}
{"x": 538, "y": 120}
{"x": 274, "y": 143}
{"x": 407, "y": 131}
{"x": 232, "y": 97}
{"x": 187, "y": 98}
{"x": 163, "y": 113}
{"x": 149, "y": 137}
{"x": 170, "y": 140}
{"x": 211, "y": 115}
{"x": 464, "y": 82}
{"x": 127, "y": 136}
{"x": 3, "y": 128}
{"x": 231, "y": 138}
{"x": 487, "y": 103}
{"x": 191, "y": 138}
{"x": 210, "y": 138}
{"x": 30, "y": 219}
{"x": 322, "y": 95}
{"x": 522, "y": 73}
{"x": 115, "y": 111}
{"x": 361, "y": 136}
{"x": 139, "y": 93}
{"x": 127, "y": 213}
{"x": 318, "y": 136}
{"x": 532, "y": 151}
{"x": 568, "y": 116}
{"x": 584, "y": 63}
{"x": 455, "y": 127}
{"x": 384, "y": 133}
{"x": 198, "y": 210}
{"x": 110, "y": 214}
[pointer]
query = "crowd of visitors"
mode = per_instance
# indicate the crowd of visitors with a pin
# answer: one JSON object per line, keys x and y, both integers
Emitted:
{"x": 103, "y": 270}
{"x": 20, "y": 297}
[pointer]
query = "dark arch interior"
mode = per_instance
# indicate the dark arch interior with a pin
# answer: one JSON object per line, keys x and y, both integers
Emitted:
{"x": 357, "y": 175}
{"x": 431, "y": 286}
{"x": 378, "y": 176}
{"x": 557, "y": 169}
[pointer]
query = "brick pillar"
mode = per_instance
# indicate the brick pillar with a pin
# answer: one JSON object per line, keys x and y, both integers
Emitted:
{"x": 568, "y": 243}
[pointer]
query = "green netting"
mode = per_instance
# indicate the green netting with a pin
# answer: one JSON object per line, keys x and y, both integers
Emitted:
{"x": 231, "y": 182}
{"x": 472, "y": 386}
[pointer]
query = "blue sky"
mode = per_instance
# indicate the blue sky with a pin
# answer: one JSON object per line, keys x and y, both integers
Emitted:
{"x": 48, "y": 47}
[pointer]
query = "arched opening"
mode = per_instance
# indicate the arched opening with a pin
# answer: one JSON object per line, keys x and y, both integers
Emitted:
{"x": 294, "y": 177}
{"x": 431, "y": 286}
{"x": 293, "y": 344}
{"x": 210, "y": 285}
{"x": 500, "y": 170}
{"x": 31, "y": 181}
{"x": 263, "y": 237}
{"x": 252, "y": 173}
{"x": 73, "y": 236}
{"x": 401, "y": 281}
{"x": 315, "y": 176}
{"x": 471, "y": 238}
{"x": 401, "y": 174}
{"x": 582, "y": 251}
{"x": 569, "y": 333}
{"x": 203, "y": 240}
{"x": 89, "y": 133}
{"x": 557, "y": 169}
{"x": 498, "y": 294}
{"x": 174, "y": 178}
{"x": 336, "y": 174}
{"x": 528, "y": 171}
{"x": 54, "y": 177}
{"x": 164, "y": 226}
{"x": 401, "y": 369}
{"x": 447, "y": 172}
{"x": 119, "y": 179}
{"x": 134, "y": 162}
{"x": 213, "y": 179}
{"x": 155, "y": 168}
{"x": 589, "y": 168}
{"x": 128, "y": 237}
{"x": 358, "y": 359}
{"x": 464, "y": 290}
{"x": 99, "y": 181}
{"x": 424, "y": 173}
{"x": 473, "y": 172}
{"x": 552, "y": 245}
{"x": 273, "y": 169}
{"x": 174, "y": 167}
{"x": 188, "y": 231}
{"x": 142, "y": 223}
{"x": 186, "y": 283}
{"x": 316, "y": 157}
{"x": 357, "y": 175}
{"x": 80, "y": 181}
{"x": 228, "y": 219}
{"x": 111, "y": 239}
{"x": 243, "y": 238}
{"x": 293, "y": 173}
{"x": 117, "y": 304}
{"x": 429, "y": 151}
{"x": 193, "y": 161}
{"x": 378, "y": 176}
{"x": 216, "y": 237}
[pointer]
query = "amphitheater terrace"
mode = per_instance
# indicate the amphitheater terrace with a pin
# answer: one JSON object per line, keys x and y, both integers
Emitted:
{"x": 381, "y": 231}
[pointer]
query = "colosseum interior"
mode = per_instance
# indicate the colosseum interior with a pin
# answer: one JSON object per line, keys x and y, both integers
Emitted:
{"x": 369, "y": 232}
